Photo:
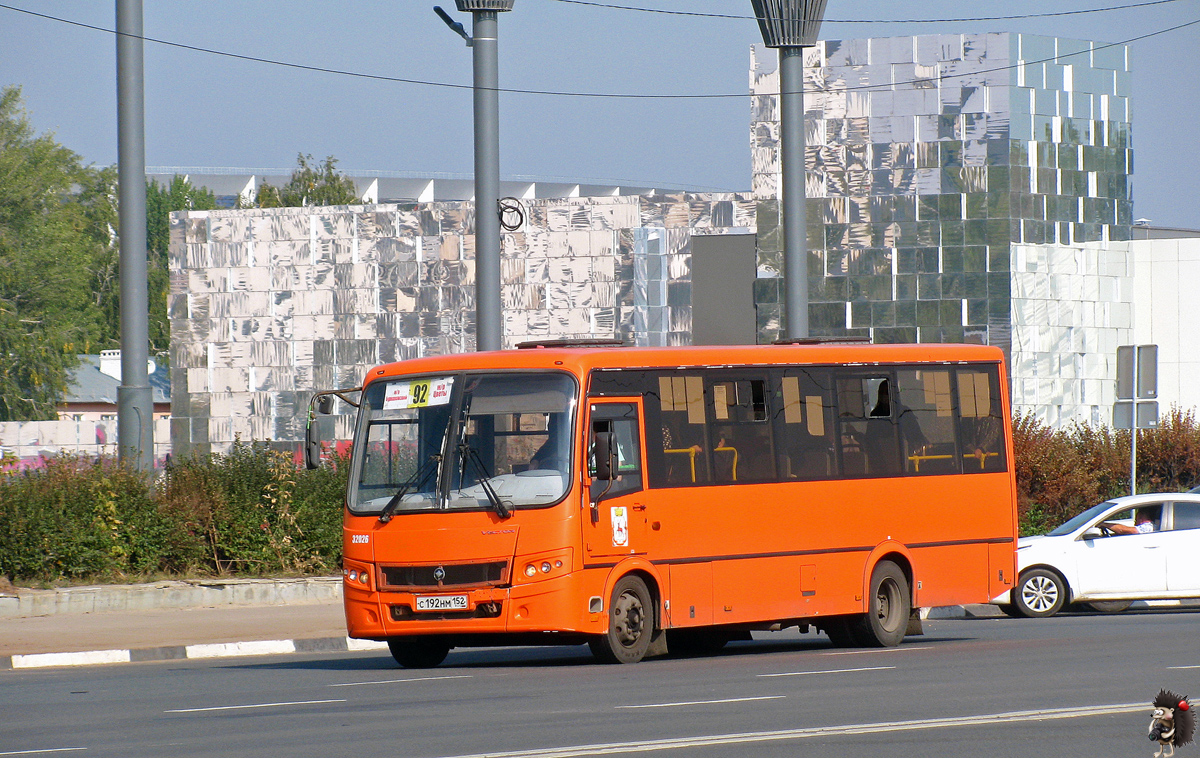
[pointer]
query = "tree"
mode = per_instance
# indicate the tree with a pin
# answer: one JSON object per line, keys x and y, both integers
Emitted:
{"x": 312, "y": 183}
{"x": 47, "y": 313}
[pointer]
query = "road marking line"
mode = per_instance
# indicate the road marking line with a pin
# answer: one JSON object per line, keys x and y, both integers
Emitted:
{"x": 253, "y": 705}
{"x": 44, "y": 750}
{"x": 1173, "y": 668}
{"x": 885, "y": 650}
{"x": 650, "y": 746}
{"x": 705, "y": 702}
{"x": 86, "y": 658}
{"x": 832, "y": 671}
{"x": 230, "y": 649}
{"x": 402, "y": 681}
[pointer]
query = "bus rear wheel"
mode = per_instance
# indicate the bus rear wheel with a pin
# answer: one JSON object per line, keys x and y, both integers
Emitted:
{"x": 630, "y": 624}
{"x": 418, "y": 652}
{"x": 886, "y": 620}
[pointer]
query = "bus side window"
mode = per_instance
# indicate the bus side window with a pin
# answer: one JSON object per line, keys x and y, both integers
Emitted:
{"x": 924, "y": 411}
{"x": 805, "y": 439}
{"x": 684, "y": 457}
{"x": 867, "y": 426}
{"x": 621, "y": 420}
{"x": 740, "y": 430}
{"x": 981, "y": 428}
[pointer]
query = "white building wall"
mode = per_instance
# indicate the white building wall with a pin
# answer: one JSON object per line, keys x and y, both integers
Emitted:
{"x": 1166, "y": 306}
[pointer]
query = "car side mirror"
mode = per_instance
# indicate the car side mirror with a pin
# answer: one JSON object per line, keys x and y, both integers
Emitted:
{"x": 602, "y": 444}
{"x": 1092, "y": 534}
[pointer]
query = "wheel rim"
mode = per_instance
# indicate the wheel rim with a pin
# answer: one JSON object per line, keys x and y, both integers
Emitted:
{"x": 628, "y": 619}
{"x": 887, "y": 604}
{"x": 1039, "y": 593}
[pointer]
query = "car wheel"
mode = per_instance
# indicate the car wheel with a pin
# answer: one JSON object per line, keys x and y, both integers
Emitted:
{"x": 1109, "y": 606}
{"x": 418, "y": 652}
{"x": 630, "y": 624}
{"x": 1040, "y": 593}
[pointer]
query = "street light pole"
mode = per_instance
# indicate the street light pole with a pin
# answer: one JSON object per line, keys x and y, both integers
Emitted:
{"x": 489, "y": 326}
{"x": 135, "y": 403}
{"x": 790, "y": 26}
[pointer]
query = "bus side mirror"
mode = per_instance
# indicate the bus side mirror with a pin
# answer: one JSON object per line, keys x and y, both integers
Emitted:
{"x": 603, "y": 446}
{"x": 322, "y": 404}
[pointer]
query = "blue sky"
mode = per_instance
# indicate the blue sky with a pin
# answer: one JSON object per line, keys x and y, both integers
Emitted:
{"x": 209, "y": 111}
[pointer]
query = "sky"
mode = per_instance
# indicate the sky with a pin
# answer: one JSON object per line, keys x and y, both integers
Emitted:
{"x": 209, "y": 111}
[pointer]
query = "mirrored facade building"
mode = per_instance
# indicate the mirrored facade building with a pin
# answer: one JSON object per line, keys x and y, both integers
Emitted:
{"x": 268, "y": 305}
{"x": 962, "y": 188}
{"x": 966, "y": 187}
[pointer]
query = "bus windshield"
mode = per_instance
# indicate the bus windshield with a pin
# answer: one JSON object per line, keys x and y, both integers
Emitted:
{"x": 466, "y": 441}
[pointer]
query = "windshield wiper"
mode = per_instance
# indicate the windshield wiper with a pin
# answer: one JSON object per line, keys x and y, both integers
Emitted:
{"x": 418, "y": 478}
{"x": 469, "y": 453}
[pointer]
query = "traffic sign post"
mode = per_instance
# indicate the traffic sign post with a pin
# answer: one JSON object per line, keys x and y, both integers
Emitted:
{"x": 1137, "y": 397}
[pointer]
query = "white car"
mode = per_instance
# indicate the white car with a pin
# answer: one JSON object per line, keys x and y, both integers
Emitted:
{"x": 1142, "y": 547}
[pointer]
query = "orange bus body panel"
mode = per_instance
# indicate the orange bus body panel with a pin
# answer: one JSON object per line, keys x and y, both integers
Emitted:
{"x": 731, "y": 554}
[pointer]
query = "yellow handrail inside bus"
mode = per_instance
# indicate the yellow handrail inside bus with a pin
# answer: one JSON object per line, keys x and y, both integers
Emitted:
{"x": 690, "y": 451}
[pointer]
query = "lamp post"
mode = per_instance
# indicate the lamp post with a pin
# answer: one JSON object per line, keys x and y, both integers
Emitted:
{"x": 489, "y": 329}
{"x": 790, "y": 26}
{"x": 135, "y": 402}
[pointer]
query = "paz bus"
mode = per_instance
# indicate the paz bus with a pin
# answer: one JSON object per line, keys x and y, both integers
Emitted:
{"x": 646, "y": 500}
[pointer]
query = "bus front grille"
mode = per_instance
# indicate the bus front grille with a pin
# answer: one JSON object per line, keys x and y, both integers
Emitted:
{"x": 451, "y": 575}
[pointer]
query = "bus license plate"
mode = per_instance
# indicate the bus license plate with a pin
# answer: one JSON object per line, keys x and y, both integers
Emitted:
{"x": 442, "y": 603}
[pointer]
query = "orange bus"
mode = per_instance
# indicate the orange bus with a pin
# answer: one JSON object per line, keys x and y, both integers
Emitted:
{"x": 646, "y": 499}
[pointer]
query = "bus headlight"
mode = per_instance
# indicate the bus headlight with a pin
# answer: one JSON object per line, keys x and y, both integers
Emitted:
{"x": 542, "y": 566}
{"x": 531, "y": 570}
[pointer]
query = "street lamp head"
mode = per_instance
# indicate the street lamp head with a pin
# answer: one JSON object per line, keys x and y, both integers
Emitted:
{"x": 789, "y": 23}
{"x": 465, "y": 6}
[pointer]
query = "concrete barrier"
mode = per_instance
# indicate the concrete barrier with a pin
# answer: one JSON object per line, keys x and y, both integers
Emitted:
{"x": 195, "y": 593}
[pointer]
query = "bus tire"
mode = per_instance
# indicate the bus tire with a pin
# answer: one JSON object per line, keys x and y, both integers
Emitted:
{"x": 630, "y": 623}
{"x": 418, "y": 652}
{"x": 886, "y": 620}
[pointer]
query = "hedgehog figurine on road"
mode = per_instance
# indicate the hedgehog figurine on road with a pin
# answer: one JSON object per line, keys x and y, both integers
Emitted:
{"x": 1172, "y": 723}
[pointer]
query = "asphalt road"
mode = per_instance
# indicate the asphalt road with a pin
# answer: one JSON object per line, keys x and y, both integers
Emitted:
{"x": 1064, "y": 686}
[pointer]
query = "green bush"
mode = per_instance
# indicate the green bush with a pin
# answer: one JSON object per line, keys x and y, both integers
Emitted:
{"x": 249, "y": 512}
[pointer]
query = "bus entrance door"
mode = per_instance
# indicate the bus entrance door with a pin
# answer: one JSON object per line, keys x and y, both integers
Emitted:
{"x": 615, "y": 518}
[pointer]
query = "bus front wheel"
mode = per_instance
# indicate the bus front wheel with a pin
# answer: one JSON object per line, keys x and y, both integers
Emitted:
{"x": 886, "y": 620}
{"x": 418, "y": 652}
{"x": 630, "y": 624}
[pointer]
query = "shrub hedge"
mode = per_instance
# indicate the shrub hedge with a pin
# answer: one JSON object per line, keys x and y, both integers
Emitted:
{"x": 252, "y": 512}
{"x": 249, "y": 512}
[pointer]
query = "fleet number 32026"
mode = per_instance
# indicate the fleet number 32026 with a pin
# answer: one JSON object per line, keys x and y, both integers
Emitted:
{"x": 360, "y": 539}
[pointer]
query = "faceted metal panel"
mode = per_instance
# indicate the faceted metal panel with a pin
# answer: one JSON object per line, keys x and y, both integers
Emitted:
{"x": 963, "y": 163}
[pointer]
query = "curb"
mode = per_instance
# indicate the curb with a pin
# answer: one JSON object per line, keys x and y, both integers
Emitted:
{"x": 189, "y": 652}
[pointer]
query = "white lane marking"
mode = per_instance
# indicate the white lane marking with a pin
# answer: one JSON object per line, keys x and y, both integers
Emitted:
{"x": 86, "y": 658}
{"x": 230, "y": 649}
{"x": 252, "y": 705}
{"x": 1172, "y": 668}
{"x": 832, "y": 671}
{"x": 705, "y": 702}
{"x": 650, "y": 746}
{"x": 402, "y": 681}
{"x": 885, "y": 650}
{"x": 44, "y": 750}
{"x": 354, "y": 645}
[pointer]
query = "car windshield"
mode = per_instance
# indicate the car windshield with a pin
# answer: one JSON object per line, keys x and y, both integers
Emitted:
{"x": 467, "y": 441}
{"x": 1081, "y": 519}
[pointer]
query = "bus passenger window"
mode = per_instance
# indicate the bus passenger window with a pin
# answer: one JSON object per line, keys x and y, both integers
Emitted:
{"x": 684, "y": 459}
{"x": 740, "y": 432}
{"x": 980, "y": 425}
{"x": 869, "y": 445}
{"x": 804, "y": 442}
{"x": 925, "y": 415}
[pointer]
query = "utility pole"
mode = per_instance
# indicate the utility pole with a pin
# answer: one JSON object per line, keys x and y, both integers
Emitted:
{"x": 135, "y": 403}
{"x": 790, "y": 26}
{"x": 489, "y": 325}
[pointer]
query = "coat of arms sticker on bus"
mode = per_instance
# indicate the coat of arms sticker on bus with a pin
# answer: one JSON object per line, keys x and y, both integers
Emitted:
{"x": 620, "y": 526}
